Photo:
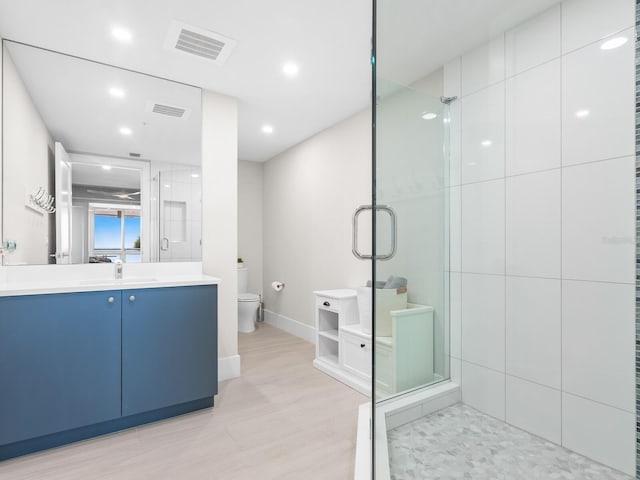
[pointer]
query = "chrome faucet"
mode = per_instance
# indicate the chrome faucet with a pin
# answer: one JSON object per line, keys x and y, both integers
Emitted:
{"x": 118, "y": 269}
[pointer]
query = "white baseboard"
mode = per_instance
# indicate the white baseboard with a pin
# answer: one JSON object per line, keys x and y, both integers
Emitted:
{"x": 301, "y": 330}
{"x": 228, "y": 367}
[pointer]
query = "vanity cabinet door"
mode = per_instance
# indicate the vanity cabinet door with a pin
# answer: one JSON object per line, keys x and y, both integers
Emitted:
{"x": 59, "y": 362}
{"x": 169, "y": 347}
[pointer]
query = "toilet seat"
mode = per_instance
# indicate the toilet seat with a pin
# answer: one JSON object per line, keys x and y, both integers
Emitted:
{"x": 248, "y": 297}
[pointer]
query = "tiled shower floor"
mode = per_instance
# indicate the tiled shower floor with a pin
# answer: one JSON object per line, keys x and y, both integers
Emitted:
{"x": 462, "y": 443}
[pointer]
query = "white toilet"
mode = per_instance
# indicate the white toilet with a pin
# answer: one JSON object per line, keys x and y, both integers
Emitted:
{"x": 248, "y": 303}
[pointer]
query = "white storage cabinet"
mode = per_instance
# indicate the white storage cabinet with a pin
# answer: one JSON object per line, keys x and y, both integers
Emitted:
{"x": 343, "y": 350}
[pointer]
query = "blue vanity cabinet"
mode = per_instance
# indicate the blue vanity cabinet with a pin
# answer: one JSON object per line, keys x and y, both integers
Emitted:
{"x": 60, "y": 359}
{"x": 169, "y": 346}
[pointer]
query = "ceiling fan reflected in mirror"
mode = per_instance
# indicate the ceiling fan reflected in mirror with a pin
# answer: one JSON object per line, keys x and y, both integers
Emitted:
{"x": 119, "y": 195}
{"x": 125, "y": 196}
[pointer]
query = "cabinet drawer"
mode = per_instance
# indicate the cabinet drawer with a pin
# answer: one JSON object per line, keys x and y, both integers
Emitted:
{"x": 355, "y": 354}
{"x": 328, "y": 303}
{"x": 347, "y": 308}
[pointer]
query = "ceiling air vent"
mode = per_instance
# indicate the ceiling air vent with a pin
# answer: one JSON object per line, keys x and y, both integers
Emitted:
{"x": 191, "y": 40}
{"x": 134, "y": 155}
{"x": 167, "y": 110}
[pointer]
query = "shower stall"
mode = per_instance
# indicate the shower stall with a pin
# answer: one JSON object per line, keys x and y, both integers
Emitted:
{"x": 504, "y": 147}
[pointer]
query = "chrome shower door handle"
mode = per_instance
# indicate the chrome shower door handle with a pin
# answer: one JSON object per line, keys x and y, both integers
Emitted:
{"x": 354, "y": 233}
{"x": 164, "y": 246}
{"x": 393, "y": 232}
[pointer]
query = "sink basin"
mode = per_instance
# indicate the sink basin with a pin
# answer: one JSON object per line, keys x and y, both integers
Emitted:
{"x": 120, "y": 281}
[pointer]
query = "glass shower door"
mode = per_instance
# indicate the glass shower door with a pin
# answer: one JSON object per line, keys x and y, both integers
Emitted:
{"x": 411, "y": 301}
{"x": 179, "y": 215}
{"x": 411, "y": 326}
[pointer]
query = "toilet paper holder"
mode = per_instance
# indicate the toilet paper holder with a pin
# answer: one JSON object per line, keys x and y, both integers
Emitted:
{"x": 277, "y": 286}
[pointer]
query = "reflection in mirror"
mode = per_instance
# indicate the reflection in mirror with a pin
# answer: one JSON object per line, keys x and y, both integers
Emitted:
{"x": 100, "y": 164}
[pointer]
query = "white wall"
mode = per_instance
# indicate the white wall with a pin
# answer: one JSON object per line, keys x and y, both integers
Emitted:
{"x": 250, "y": 177}
{"x": 220, "y": 212}
{"x": 543, "y": 254}
{"x": 26, "y": 153}
{"x": 310, "y": 194}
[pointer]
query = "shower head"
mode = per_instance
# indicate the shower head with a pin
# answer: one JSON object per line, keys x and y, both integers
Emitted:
{"x": 447, "y": 100}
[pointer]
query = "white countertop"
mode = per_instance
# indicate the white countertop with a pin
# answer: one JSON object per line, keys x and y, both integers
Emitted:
{"x": 101, "y": 284}
{"x": 48, "y": 279}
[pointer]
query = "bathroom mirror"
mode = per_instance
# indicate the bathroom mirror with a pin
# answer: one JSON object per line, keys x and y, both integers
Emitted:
{"x": 99, "y": 163}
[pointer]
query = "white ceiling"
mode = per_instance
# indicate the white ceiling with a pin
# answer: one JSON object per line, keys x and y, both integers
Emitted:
{"x": 94, "y": 175}
{"x": 329, "y": 39}
{"x": 72, "y": 96}
{"x": 416, "y": 37}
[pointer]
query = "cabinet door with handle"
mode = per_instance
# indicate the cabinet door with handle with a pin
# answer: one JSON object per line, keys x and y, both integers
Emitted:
{"x": 169, "y": 346}
{"x": 355, "y": 354}
{"x": 59, "y": 362}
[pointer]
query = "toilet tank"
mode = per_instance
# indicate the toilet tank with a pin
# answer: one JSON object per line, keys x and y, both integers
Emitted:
{"x": 243, "y": 280}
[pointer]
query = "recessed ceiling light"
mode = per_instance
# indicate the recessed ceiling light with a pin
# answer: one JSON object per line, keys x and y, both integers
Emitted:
{"x": 614, "y": 43}
{"x": 486, "y": 143}
{"x": 125, "y": 131}
{"x": 582, "y": 113}
{"x": 106, "y": 167}
{"x": 290, "y": 69}
{"x": 116, "y": 92}
{"x": 268, "y": 129}
{"x": 429, "y": 116}
{"x": 167, "y": 186}
{"x": 195, "y": 175}
{"x": 121, "y": 34}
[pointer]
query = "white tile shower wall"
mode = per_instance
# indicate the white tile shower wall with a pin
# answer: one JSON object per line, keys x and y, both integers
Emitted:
{"x": 482, "y": 134}
{"x": 601, "y": 104}
{"x": 451, "y": 88}
{"x": 527, "y": 214}
{"x": 484, "y": 389}
{"x": 598, "y": 341}
{"x": 534, "y": 408}
{"x": 180, "y": 191}
{"x": 533, "y": 43}
{"x": 598, "y": 214}
{"x": 604, "y": 434}
{"x": 483, "y": 320}
{"x": 533, "y": 129}
{"x": 483, "y": 227}
{"x": 586, "y": 21}
{"x": 483, "y": 66}
{"x": 533, "y": 329}
{"x": 455, "y": 314}
{"x": 545, "y": 269}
